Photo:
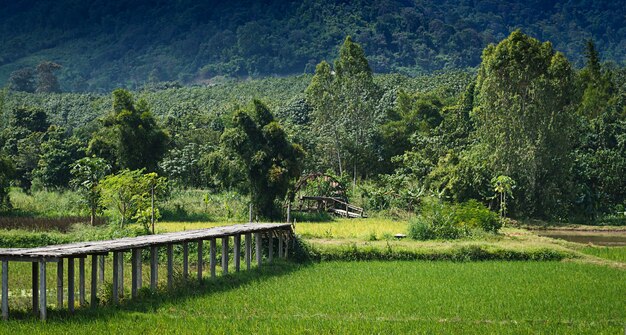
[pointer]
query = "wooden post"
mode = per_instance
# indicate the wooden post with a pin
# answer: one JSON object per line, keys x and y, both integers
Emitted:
{"x": 212, "y": 259}
{"x": 81, "y": 281}
{"x": 170, "y": 266}
{"x": 250, "y": 213}
{"x": 270, "y": 249}
{"x": 94, "y": 280}
{"x": 280, "y": 245}
{"x": 237, "y": 251}
{"x": 43, "y": 311}
{"x": 5, "y": 290}
{"x": 185, "y": 260}
{"x": 135, "y": 272}
{"x": 60, "y": 283}
{"x": 225, "y": 255}
{"x": 248, "y": 251}
{"x": 259, "y": 255}
{"x": 200, "y": 261}
{"x": 289, "y": 212}
{"x": 35, "y": 286}
{"x": 70, "y": 284}
{"x": 120, "y": 272}
{"x": 101, "y": 273}
{"x": 116, "y": 269}
{"x": 154, "y": 267}
{"x": 286, "y": 248}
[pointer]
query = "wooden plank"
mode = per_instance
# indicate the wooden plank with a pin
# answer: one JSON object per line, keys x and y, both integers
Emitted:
{"x": 94, "y": 279}
{"x": 115, "y": 293}
{"x": 170, "y": 266}
{"x": 200, "y": 260}
{"x": 258, "y": 243}
{"x": 280, "y": 246}
{"x": 225, "y": 241}
{"x": 154, "y": 267}
{"x": 237, "y": 251}
{"x": 35, "y": 287}
{"x": 5, "y": 290}
{"x": 185, "y": 260}
{"x": 60, "y": 284}
{"x": 43, "y": 308}
{"x": 81, "y": 282}
{"x": 248, "y": 250}
{"x": 70, "y": 284}
{"x": 212, "y": 259}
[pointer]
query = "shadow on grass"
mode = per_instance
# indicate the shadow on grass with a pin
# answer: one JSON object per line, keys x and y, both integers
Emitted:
{"x": 184, "y": 290}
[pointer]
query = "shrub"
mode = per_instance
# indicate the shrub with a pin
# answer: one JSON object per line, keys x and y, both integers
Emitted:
{"x": 473, "y": 214}
{"x": 438, "y": 220}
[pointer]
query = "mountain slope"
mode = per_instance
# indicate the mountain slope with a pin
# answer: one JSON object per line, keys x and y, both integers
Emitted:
{"x": 102, "y": 44}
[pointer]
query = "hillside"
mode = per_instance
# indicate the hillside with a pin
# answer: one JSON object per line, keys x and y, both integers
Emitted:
{"x": 103, "y": 44}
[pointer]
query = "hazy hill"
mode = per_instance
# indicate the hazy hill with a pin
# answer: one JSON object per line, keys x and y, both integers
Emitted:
{"x": 102, "y": 44}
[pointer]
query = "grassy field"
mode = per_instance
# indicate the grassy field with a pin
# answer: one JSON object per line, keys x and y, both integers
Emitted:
{"x": 372, "y": 297}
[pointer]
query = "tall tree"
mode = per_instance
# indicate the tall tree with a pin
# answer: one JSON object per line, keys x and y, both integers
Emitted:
{"x": 272, "y": 162}
{"x": 344, "y": 107}
{"x": 47, "y": 81}
{"x": 130, "y": 137}
{"x": 524, "y": 114}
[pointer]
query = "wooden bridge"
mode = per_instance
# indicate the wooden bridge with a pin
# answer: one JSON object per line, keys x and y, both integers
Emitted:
{"x": 332, "y": 205}
{"x": 98, "y": 250}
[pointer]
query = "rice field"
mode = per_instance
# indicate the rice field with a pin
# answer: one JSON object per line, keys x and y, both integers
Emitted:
{"x": 371, "y": 297}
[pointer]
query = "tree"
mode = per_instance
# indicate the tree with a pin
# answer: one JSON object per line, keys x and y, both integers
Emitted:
{"x": 130, "y": 137}
{"x": 87, "y": 173}
{"x": 597, "y": 85}
{"x": 524, "y": 115}
{"x": 130, "y": 195}
{"x": 272, "y": 162}
{"x": 58, "y": 153}
{"x": 343, "y": 102}
{"x": 22, "y": 80}
{"x": 6, "y": 175}
{"x": 22, "y": 141}
{"x": 47, "y": 81}
{"x": 503, "y": 186}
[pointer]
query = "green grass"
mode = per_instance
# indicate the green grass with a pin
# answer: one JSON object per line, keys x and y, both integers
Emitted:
{"x": 617, "y": 254}
{"x": 372, "y": 297}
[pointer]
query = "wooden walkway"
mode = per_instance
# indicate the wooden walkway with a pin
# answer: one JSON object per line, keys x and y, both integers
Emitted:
{"x": 99, "y": 249}
{"x": 332, "y": 205}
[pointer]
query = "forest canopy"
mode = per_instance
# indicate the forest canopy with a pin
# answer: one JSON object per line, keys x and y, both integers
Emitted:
{"x": 105, "y": 44}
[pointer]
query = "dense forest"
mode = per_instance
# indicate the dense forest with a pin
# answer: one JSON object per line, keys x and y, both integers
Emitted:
{"x": 102, "y": 45}
{"x": 527, "y": 135}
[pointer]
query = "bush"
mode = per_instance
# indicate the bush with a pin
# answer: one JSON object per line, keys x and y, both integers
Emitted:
{"x": 438, "y": 220}
{"x": 473, "y": 214}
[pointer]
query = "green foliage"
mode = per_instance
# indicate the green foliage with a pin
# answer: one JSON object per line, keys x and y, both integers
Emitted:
{"x": 46, "y": 79}
{"x": 6, "y": 175}
{"x": 524, "y": 113}
{"x": 439, "y": 220}
{"x": 127, "y": 195}
{"x": 271, "y": 161}
{"x": 130, "y": 137}
{"x": 344, "y": 113}
{"x": 195, "y": 42}
{"x": 473, "y": 214}
{"x": 58, "y": 153}
{"x": 87, "y": 173}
